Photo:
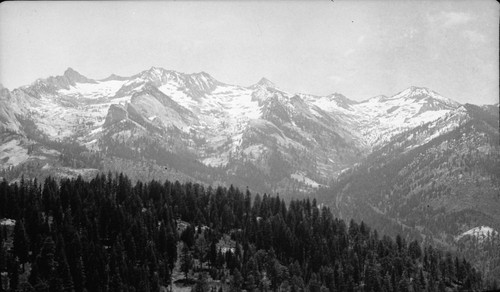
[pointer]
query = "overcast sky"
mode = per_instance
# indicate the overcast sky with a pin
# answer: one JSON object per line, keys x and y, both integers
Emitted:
{"x": 358, "y": 48}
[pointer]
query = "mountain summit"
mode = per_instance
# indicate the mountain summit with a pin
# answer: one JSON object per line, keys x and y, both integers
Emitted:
{"x": 114, "y": 77}
{"x": 264, "y": 82}
{"x": 74, "y": 77}
{"x": 422, "y": 93}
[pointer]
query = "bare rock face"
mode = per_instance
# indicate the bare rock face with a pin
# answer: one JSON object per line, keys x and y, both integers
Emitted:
{"x": 72, "y": 77}
{"x": 116, "y": 113}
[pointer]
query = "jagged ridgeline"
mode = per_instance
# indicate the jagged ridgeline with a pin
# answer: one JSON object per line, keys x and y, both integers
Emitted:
{"x": 160, "y": 123}
{"x": 107, "y": 234}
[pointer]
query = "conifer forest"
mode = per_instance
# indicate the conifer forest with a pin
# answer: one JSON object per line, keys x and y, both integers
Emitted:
{"x": 109, "y": 234}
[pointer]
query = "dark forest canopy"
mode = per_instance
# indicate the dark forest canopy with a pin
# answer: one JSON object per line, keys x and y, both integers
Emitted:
{"x": 109, "y": 235}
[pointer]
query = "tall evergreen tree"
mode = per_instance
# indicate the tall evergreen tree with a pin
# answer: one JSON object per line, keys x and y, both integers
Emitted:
{"x": 186, "y": 260}
{"x": 21, "y": 242}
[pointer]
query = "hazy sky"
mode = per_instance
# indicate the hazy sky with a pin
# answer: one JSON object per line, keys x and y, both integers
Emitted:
{"x": 357, "y": 48}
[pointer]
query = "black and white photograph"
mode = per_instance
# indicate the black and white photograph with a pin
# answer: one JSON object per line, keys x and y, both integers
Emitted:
{"x": 223, "y": 145}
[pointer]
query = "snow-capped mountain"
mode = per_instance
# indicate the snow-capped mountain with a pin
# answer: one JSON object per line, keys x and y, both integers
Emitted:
{"x": 433, "y": 181}
{"x": 383, "y": 117}
{"x": 258, "y": 135}
{"x": 415, "y": 163}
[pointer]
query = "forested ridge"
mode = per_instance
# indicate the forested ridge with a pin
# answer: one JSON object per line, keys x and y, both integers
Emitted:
{"x": 108, "y": 234}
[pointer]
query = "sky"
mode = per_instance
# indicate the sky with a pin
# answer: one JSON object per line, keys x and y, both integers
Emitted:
{"x": 360, "y": 49}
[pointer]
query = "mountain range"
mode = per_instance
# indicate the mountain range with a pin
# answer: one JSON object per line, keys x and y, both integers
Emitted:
{"x": 414, "y": 161}
{"x": 297, "y": 140}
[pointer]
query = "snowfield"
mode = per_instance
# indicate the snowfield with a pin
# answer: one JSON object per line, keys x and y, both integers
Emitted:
{"x": 104, "y": 89}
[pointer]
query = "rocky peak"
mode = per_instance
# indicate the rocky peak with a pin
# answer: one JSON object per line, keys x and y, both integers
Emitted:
{"x": 74, "y": 77}
{"x": 4, "y": 92}
{"x": 341, "y": 100}
{"x": 414, "y": 91}
{"x": 264, "y": 82}
{"x": 430, "y": 99}
{"x": 115, "y": 77}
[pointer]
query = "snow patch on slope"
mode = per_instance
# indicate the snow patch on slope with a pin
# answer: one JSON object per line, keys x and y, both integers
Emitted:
{"x": 7, "y": 222}
{"x": 300, "y": 177}
{"x": 94, "y": 90}
{"x": 480, "y": 232}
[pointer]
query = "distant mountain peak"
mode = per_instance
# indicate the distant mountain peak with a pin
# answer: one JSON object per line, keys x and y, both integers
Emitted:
{"x": 341, "y": 98}
{"x": 115, "y": 77}
{"x": 72, "y": 73}
{"x": 422, "y": 93}
{"x": 152, "y": 72}
{"x": 157, "y": 75}
{"x": 413, "y": 87}
{"x": 73, "y": 76}
{"x": 154, "y": 69}
{"x": 416, "y": 90}
{"x": 264, "y": 82}
{"x": 203, "y": 75}
{"x": 70, "y": 70}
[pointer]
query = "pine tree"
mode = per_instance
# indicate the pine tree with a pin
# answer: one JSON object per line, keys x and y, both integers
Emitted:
{"x": 13, "y": 273}
{"x": 201, "y": 249}
{"x": 201, "y": 284}
{"x": 404, "y": 283}
{"x": 63, "y": 272}
{"x": 171, "y": 248}
{"x": 414, "y": 250}
{"x": 186, "y": 261}
{"x": 236, "y": 281}
{"x": 187, "y": 236}
{"x": 250, "y": 283}
{"x": 21, "y": 243}
{"x": 212, "y": 253}
{"x": 314, "y": 284}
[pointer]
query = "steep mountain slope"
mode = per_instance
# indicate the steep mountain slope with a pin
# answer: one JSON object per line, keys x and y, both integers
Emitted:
{"x": 8, "y": 120}
{"x": 437, "y": 182}
{"x": 439, "y": 179}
